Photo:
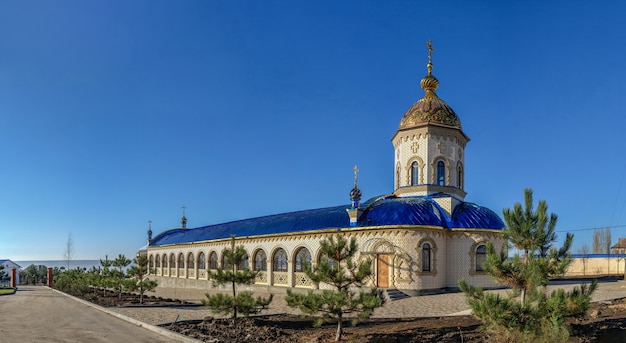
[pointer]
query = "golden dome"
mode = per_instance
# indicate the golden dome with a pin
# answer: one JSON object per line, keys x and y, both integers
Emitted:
{"x": 430, "y": 108}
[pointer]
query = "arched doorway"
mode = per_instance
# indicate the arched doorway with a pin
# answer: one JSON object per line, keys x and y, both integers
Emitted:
{"x": 382, "y": 270}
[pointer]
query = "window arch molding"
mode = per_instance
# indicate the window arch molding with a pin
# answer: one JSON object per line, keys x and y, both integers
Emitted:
{"x": 191, "y": 263}
{"x": 172, "y": 261}
{"x": 460, "y": 175}
{"x": 201, "y": 260}
{"x": 214, "y": 261}
{"x": 410, "y": 171}
{"x": 245, "y": 262}
{"x": 259, "y": 260}
{"x": 280, "y": 259}
{"x": 432, "y": 254}
{"x": 440, "y": 176}
{"x": 223, "y": 263}
{"x": 476, "y": 256}
{"x": 181, "y": 261}
{"x": 301, "y": 256}
{"x": 398, "y": 175}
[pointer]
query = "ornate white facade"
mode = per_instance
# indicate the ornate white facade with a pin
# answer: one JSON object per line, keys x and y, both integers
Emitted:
{"x": 423, "y": 237}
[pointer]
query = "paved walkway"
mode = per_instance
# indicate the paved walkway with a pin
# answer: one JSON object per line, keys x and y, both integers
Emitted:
{"x": 421, "y": 306}
{"x": 42, "y": 314}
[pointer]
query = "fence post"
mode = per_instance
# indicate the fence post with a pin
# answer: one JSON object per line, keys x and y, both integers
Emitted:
{"x": 13, "y": 278}
{"x": 49, "y": 277}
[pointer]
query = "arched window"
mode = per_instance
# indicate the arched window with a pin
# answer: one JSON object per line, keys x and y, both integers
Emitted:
{"x": 260, "y": 260}
{"x": 213, "y": 260}
{"x": 172, "y": 261}
{"x": 279, "y": 262}
{"x": 481, "y": 257}
{"x": 244, "y": 263}
{"x": 190, "y": 261}
{"x": 164, "y": 261}
{"x": 459, "y": 177}
{"x": 303, "y": 258}
{"x": 151, "y": 262}
{"x": 225, "y": 264}
{"x": 415, "y": 173}
{"x": 426, "y": 254}
{"x": 201, "y": 261}
{"x": 441, "y": 173}
{"x": 181, "y": 260}
{"x": 158, "y": 261}
{"x": 398, "y": 176}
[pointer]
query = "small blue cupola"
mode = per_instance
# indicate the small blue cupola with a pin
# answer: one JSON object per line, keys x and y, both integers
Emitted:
{"x": 355, "y": 198}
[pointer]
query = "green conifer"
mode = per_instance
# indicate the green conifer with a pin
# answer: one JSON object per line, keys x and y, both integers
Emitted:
{"x": 528, "y": 313}
{"x": 242, "y": 302}
{"x": 338, "y": 270}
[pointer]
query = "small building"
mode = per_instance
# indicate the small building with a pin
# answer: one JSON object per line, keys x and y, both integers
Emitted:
{"x": 620, "y": 247}
{"x": 421, "y": 237}
{"x": 8, "y": 265}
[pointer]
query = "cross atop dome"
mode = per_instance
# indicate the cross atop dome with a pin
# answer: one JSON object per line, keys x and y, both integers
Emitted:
{"x": 355, "y": 193}
{"x": 149, "y": 230}
{"x": 183, "y": 220}
{"x": 429, "y": 44}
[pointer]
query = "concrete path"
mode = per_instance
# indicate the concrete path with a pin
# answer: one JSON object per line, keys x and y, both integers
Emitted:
{"x": 40, "y": 314}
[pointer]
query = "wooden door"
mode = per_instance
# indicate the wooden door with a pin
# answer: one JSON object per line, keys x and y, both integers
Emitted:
{"x": 382, "y": 271}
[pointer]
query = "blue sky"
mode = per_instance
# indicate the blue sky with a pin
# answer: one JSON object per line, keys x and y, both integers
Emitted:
{"x": 113, "y": 113}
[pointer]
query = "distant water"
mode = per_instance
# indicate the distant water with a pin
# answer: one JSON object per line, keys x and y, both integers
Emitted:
{"x": 60, "y": 263}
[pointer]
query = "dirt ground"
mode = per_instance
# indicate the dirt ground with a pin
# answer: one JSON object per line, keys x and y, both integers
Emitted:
{"x": 604, "y": 322}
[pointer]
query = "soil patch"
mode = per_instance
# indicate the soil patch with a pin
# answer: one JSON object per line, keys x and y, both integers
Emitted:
{"x": 111, "y": 299}
{"x": 604, "y": 322}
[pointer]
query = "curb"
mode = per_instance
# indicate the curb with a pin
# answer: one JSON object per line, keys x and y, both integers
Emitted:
{"x": 159, "y": 330}
{"x": 14, "y": 290}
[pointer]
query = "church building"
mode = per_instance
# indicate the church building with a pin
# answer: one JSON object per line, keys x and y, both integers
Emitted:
{"x": 422, "y": 237}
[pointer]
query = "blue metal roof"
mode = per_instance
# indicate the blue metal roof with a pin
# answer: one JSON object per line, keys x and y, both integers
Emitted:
{"x": 386, "y": 210}
{"x": 391, "y": 210}
{"x": 467, "y": 215}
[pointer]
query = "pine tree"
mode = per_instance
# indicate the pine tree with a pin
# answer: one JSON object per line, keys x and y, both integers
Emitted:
{"x": 242, "y": 302}
{"x": 338, "y": 270}
{"x": 105, "y": 277}
{"x": 537, "y": 315}
{"x": 139, "y": 277}
{"x": 118, "y": 275}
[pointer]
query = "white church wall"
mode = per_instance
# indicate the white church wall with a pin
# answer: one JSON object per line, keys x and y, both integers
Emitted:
{"x": 462, "y": 258}
{"x": 451, "y": 259}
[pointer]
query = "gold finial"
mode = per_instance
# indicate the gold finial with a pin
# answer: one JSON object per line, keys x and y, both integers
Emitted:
{"x": 356, "y": 171}
{"x": 429, "y": 44}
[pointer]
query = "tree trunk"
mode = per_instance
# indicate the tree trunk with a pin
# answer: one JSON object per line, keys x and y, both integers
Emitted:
{"x": 234, "y": 302}
{"x": 339, "y": 328}
{"x": 232, "y": 250}
{"x": 523, "y": 294}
